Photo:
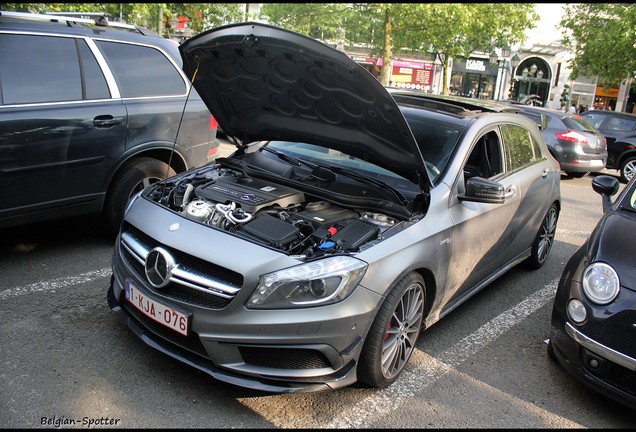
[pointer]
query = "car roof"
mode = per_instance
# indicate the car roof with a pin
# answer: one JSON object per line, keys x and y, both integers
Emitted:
{"x": 94, "y": 27}
{"x": 541, "y": 110}
{"x": 454, "y": 105}
{"x": 611, "y": 113}
{"x": 98, "y": 25}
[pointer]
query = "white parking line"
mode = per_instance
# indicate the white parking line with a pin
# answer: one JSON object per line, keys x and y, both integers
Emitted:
{"x": 54, "y": 284}
{"x": 425, "y": 370}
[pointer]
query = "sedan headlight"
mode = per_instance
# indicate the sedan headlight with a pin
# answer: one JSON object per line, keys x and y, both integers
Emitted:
{"x": 317, "y": 283}
{"x": 600, "y": 283}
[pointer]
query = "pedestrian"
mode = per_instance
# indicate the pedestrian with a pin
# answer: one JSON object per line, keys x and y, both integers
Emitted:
{"x": 581, "y": 109}
{"x": 572, "y": 109}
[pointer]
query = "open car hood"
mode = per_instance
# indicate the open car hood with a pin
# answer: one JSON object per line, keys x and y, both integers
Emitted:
{"x": 266, "y": 83}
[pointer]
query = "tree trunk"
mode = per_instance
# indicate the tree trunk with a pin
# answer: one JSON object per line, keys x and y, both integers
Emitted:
{"x": 385, "y": 72}
{"x": 445, "y": 76}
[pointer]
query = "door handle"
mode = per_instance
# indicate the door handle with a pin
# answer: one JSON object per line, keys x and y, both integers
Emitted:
{"x": 545, "y": 172}
{"x": 107, "y": 121}
{"x": 510, "y": 191}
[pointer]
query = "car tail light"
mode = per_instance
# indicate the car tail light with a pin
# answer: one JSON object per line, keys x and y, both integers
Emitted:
{"x": 571, "y": 135}
{"x": 213, "y": 123}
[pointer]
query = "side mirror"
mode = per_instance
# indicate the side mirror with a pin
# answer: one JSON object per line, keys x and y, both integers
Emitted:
{"x": 479, "y": 189}
{"x": 606, "y": 186}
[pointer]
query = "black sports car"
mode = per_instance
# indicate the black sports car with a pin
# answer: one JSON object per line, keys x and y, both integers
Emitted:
{"x": 594, "y": 315}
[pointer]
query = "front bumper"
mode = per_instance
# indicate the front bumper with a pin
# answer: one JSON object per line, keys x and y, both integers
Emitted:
{"x": 279, "y": 351}
{"x": 597, "y": 353}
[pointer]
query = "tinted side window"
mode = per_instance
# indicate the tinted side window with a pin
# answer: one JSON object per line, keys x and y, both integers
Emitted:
{"x": 142, "y": 71}
{"x": 520, "y": 147}
{"x": 39, "y": 69}
{"x": 621, "y": 124}
{"x": 595, "y": 119}
{"x": 96, "y": 87}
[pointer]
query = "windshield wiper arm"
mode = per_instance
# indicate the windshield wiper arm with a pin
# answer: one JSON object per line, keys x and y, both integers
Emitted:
{"x": 290, "y": 159}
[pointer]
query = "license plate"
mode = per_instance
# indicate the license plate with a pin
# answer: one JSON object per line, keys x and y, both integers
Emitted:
{"x": 159, "y": 312}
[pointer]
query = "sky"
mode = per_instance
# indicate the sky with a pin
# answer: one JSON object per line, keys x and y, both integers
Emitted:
{"x": 547, "y": 29}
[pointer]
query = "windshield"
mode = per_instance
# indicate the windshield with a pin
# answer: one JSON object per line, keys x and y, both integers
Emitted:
{"x": 629, "y": 201}
{"x": 329, "y": 157}
{"x": 578, "y": 123}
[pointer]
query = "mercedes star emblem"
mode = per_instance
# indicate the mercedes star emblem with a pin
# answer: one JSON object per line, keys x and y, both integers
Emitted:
{"x": 159, "y": 265}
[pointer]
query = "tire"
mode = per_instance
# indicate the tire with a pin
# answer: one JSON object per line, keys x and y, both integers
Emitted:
{"x": 575, "y": 174}
{"x": 133, "y": 176}
{"x": 393, "y": 334}
{"x": 628, "y": 169}
{"x": 542, "y": 244}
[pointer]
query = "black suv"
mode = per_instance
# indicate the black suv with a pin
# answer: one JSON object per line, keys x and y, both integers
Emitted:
{"x": 619, "y": 129}
{"x": 573, "y": 141}
{"x": 89, "y": 115}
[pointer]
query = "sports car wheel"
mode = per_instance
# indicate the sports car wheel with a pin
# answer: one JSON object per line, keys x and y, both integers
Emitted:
{"x": 545, "y": 238}
{"x": 394, "y": 332}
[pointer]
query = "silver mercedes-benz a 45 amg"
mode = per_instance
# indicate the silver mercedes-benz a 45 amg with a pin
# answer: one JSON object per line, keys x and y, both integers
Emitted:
{"x": 348, "y": 219}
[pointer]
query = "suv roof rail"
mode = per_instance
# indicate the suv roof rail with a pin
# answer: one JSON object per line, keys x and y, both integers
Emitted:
{"x": 90, "y": 18}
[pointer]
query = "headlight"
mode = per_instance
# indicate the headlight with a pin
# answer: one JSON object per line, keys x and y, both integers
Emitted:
{"x": 600, "y": 283}
{"x": 317, "y": 283}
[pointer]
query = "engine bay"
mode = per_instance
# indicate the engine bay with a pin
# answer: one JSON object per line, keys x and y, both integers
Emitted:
{"x": 271, "y": 214}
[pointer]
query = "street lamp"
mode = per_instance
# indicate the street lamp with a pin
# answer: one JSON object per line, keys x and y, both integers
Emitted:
{"x": 534, "y": 74}
{"x": 503, "y": 67}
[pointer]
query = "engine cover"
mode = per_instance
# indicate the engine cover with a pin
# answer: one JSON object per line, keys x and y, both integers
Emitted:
{"x": 251, "y": 194}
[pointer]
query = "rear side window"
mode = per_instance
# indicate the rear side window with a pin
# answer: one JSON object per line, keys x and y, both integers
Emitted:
{"x": 37, "y": 69}
{"x": 142, "y": 71}
{"x": 520, "y": 147}
{"x": 621, "y": 124}
{"x": 595, "y": 119}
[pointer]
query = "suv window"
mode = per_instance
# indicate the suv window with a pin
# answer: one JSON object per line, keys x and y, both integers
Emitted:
{"x": 521, "y": 148}
{"x": 133, "y": 80}
{"x": 48, "y": 69}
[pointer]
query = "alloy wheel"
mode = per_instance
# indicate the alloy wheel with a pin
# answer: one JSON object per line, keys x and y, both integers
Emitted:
{"x": 402, "y": 331}
{"x": 548, "y": 230}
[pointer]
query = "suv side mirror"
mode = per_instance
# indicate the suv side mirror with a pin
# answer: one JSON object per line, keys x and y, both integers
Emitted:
{"x": 479, "y": 189}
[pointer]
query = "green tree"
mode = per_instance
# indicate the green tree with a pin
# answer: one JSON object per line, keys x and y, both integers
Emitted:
{"x": 451, "y": 30}
{"x": 602, "y": 38}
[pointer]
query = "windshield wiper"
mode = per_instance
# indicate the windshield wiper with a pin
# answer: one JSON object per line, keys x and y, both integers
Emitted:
{"x": 358, "y": 176}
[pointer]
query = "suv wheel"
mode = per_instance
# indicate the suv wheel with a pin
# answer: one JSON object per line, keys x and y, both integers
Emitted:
{"x": 628, "y": 169}
{"x": 133, "y": 176}
{"x": 394, "y": 332}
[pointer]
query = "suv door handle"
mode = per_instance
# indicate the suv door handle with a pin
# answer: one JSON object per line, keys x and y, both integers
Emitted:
{"x": 545, "y": 173}
{"x": 107, "y": 121}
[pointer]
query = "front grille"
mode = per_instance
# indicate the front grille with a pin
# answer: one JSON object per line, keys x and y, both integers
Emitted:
{"x": 623, "y": 379}
{"x": 284, "y": 358}
{"x": 195, "y": 281}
